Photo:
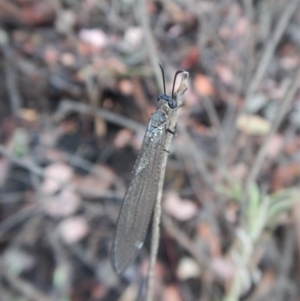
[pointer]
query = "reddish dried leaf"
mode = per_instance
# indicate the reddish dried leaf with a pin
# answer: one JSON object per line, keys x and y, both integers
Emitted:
{"x": 275, "y": 146}
{"x": 95, "y": 185}
{"x": 238, "y": 171}
{"x": 51, "y": 55}
{"x": 182, "y": 210}
{"x": 211, "y": 238}
{"x": 191, "y": 58}
{"x": 292, "y": 147}
{"x": 126, "y": 86}
{"x": 41, "y": 12}
{"x": 68, "y": 59}
{"x": 55, "y": 176}
{"x": 223, "y": 268}
{"x": 171, "y": 292}
{"x": 241, "y": 27}
{"x": 203, "y": 85}
{"x": 29, "y": 115}
{"x": 224, "y": 73}
{"x": 285, "y": 175}
{"x": 123, "y": 138}
{"x": 62, "y": 204}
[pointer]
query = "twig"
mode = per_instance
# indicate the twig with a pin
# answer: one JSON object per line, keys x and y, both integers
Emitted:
{"x": 285, "y": 105}
{"x": 186, "y": 243}
{"x": 271, "y": 47}
{"x": 264, "y": 63}
{"x": 10, "y": 11}
{"x": 17, "y": 218}
{"x": 35, "y": 169}
{"x": 23, "y": 286}
{"x": 144, "y": 19}
{"x": 197, "y": 156}
{"x": 212, "y": 113}
{"x": 11, "y": 80}
{"x": 67, "y": 106}
{"x": 157, "y": 209}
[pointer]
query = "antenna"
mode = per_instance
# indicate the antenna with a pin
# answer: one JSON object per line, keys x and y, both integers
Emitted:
{"x": 177, "y": 72}
{"x": 163, "y": 76}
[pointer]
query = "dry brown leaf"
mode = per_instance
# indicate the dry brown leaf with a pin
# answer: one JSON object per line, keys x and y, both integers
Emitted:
{"x": 212, "y": 238}
{"x": 51, "y": 55}
{"x": 285, "y": 175}
{"x": 68, "y": 59}
{"x": 68, "y": 126}
{"x": 65, "y": 21}
{"x": 253, "y": 124}
{"x": 191, "y": 58}
{"x": 129, "y": 293}
{"x": 56, "y": 175}
{"x": 225, "y": 32}
{"x": 94, "y": 37}
{"x": 231, "y": 212}
{"x": 241, "y": 27}
{"x": 99, "y": 291}
{"x": 187, "y": 268}
{"x": 292, "y": 147}
{"x": 100, "y": 127}
{"x": 95, "y": 185}
{"x": 175, "y": 12}
{"x": 123, "y": 138}
{"x": 224, "y": 73}
{"x": 171, "y": 292}
{"x": 126, "y": 86}
{"x": 62, "y": 204}
{"x": 182, "y": 210}
{"x": 203, "y": 85}
{"x": 289, "y": 62}
{"x": 134, "y": 36}
{"x": 223, "y": 268}
{"x": 275, "y": 146}
{"x": 29, "y": 115}
{"x": 239, "y": 171}
{"x": 73, "y": 229}
{"x": 40, "y": 12}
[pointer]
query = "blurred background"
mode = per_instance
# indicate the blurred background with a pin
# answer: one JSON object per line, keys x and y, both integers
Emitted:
{"x": 78, "y": 83}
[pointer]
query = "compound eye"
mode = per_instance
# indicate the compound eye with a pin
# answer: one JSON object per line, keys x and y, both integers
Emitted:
{"x": 173, "y": 104}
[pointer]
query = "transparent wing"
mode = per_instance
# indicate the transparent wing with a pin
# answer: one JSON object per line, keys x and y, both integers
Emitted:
{"x": 139, "y": 200}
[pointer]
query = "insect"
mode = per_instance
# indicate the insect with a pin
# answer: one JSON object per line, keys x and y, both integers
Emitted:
{"x": 140, "y": 197}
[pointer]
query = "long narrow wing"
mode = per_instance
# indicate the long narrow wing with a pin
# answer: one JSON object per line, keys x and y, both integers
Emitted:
{"x": 139, "y": 200}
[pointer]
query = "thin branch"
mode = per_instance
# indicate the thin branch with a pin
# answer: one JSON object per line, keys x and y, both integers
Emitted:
{"x": 285, "y": 106}
{"x": 22, "y": 286}
{"x": 67, "y": 106}
{"x": 37, "y": 170}
{"x": 271, "y": 47}
{"x": 11, "y": 80}
{"x": 150, "y": 43}
{"x": 265, "y": 60}
{"x": 157, "y": 210}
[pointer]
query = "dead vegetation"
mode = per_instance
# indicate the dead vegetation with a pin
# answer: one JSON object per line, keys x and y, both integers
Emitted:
{"x": 78, "y": 82}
